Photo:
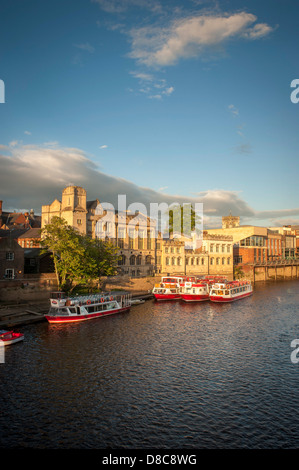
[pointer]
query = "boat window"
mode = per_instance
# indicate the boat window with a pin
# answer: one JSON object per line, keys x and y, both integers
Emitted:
{"x": 227, "y": 292}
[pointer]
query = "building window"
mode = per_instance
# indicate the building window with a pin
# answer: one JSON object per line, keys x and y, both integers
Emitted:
{"x": 178, "y": 250}
{"x": 212, "y": 261}
{"x": 202, "y": 261}
{"x": 173, "y": 261}
{"x": 148, "y": 259}
{"x": 149, "y": 241}
{"x": 217, "y": 260}
{"x": 228, "y": 260}
{"x": 139, "y": 259}
{"x": 217, "y": 248}
{"x": 140, "y": 241}
{"x": 223, "y": 260}
{"x": 212, "y": 247}
{"x": 228, "y": 248}
{"x": 10, "y": 256}
{"x": 166, "y": 249}
{"x": 122, "y": 261}
{"x": 9, "y": 273}
{"x": 79, "y": 222}
{"x": 179, "y": 261}
{"x": 132, "y": 260}
{"x": 167, "y": 261}
{"x": 223, "y": 248}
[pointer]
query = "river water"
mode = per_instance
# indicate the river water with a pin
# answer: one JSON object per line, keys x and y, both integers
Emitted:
{"x": 165, "y": 375}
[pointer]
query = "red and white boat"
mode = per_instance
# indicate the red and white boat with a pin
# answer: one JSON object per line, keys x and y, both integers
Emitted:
{"x": 230, "y": 291}
{"x": 194, "y": 291}
{"x": 10, "y": 337}
{"x": 65, "y": 309}
{"x": 168, "y": 288}
{"x": 198, "y": 289}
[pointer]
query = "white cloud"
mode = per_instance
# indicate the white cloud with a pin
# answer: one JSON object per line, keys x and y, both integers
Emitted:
{"x": 27, "y": 132}
{"x": 34, "y": 175}
{"x": 190, "y": 37}
{"x": 103, "y": 146}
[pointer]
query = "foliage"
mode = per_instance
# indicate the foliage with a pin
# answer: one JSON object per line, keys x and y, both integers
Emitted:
{"x": 78, "y": 259}
{"x": 238, "y": 273}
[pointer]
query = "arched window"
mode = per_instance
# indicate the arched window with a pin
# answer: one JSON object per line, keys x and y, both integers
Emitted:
{"x": 179, "y": 261}
{"x": 173, "y": 261}
{"x": 132, "y": 260}
{"x": 212, "y": 261}
{"x": 148, "y": 259}
{"x": 167, "y": 261}
{"x": 122, "y": 261}
{"x": 139, "y": 259}
{"x": 217, "y": 260}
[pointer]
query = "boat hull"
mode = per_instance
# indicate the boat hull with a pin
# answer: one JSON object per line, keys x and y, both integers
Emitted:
{"x": 15, "y": 339}
{"x": 194, "y": 297}
{"x": 220, "y": 299}
{"x": 167, "y": 296}
{"x": 84, "y": 317}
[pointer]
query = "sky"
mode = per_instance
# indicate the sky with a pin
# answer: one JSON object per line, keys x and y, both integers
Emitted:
{"x": 161, "y": 101}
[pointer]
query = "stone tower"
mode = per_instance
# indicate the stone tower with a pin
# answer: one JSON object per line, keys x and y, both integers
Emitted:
{"x": 230, "y": 221}
{"x": 73, "y": 207}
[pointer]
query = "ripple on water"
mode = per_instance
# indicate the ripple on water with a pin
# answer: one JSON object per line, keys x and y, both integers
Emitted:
{"x": 165, "y": 375}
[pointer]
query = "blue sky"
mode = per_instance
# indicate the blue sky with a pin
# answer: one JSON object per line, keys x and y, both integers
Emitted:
{"x": 161, "y": 101}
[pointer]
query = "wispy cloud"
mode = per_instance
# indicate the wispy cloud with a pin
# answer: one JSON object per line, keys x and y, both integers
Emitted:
{"x": 120, "y": 6}
{"x": 103, "y": 146}
{"x": 85, "y": 47}
{"x": 233, "y": 110}
{"x": 153, "y": 87}
{"x": 156, "y": 46}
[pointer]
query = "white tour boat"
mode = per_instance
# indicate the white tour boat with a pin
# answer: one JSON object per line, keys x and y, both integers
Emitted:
{"x": 65, "y": 309}
{"x": 230, "y": 291}
{"x": 168, "y": 288}
{"x": 194, "y": 291}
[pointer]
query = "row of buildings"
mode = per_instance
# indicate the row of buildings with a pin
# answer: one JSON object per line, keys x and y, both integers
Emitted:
{"x": 143, "y": 251}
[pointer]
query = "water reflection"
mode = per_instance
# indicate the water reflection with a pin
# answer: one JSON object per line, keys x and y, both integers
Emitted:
{"x": 171, "y": 374}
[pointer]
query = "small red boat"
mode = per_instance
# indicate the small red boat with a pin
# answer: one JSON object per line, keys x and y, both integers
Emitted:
{"x": 10, "y": 337}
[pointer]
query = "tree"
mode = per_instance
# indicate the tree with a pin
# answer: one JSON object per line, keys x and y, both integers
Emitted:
{"x": 77, "y": 258}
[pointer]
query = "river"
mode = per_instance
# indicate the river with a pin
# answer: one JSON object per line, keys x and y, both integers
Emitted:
{"x": 166, "y": 375}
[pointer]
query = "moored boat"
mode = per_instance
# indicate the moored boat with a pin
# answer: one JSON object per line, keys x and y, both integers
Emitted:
{"x": 194, "y": 291}
{"x": 230, "y": 291}
{"x": 168, "y": 288}
{"x": 10, "y": 337}
{"x": 65, "y": 309}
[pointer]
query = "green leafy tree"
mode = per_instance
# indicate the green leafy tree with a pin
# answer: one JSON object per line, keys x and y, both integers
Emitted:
{"x": 77, "y": 258}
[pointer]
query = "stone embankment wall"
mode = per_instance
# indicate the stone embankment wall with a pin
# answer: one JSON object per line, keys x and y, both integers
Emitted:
{"x": 31, "y": 288}
{"x": 37, "y": 288}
